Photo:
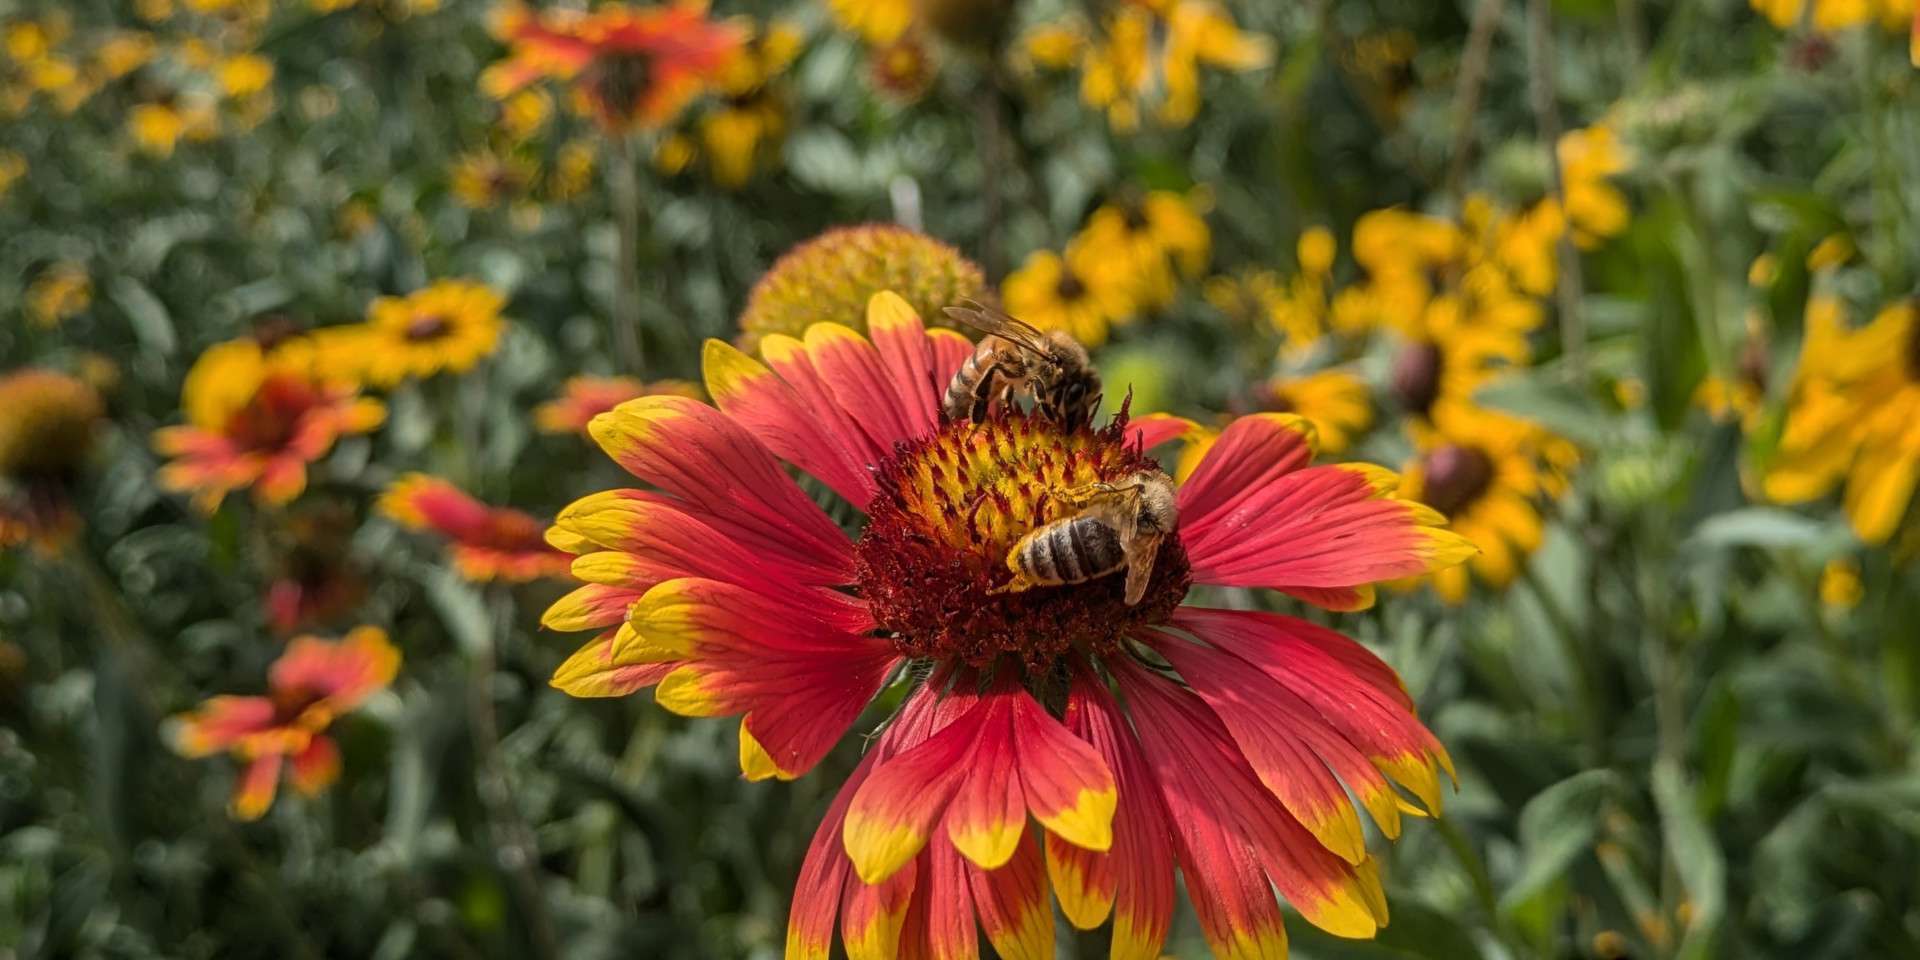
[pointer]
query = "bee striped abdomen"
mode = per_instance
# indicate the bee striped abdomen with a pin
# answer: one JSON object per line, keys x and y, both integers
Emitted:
{"x": 1074, "y": 550}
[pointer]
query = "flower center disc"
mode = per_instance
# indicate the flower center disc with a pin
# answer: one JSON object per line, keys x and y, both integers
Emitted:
{"x": 951, "y": 506}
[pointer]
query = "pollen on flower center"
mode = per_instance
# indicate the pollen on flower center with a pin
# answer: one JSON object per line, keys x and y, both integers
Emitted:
{"x": 951, "y": 506}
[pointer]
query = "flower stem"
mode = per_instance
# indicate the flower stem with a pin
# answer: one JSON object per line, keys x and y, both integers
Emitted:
{"x": 623, "y": 188}
{"x": 1546, "y": 115}
{"x": 1466, "y": 91}
{"x": 515, "y": 849}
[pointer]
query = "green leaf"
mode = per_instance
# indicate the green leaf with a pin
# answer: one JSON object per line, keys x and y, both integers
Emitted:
{"x": 1768, "y": 527}
{"x": 152, "y": 324}
{"x": 1695, "y": 856}
{"x": 1557, "y": 826}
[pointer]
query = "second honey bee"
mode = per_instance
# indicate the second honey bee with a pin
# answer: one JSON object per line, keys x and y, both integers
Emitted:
{"x": 1051, "y": 367}
{"x": 1114, "y": 526}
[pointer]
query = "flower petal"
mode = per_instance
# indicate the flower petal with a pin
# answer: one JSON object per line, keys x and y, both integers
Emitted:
{"x": 667, "y": 541}
{"x": 598, "y": 670}
{"x": 728, "y": 478}
{"x": 1012, "y": 903}
{"x": 895, "y": 810}
{"x": 871, "y": 917}
{"x": 316, "y": 767}
{"x": 746, "y": 390}
{"x": 1253, "y": 452}
{"x": 1067, "y": 785}
{"x": 253, "y": 790}
{"x": 219, "y": 724}
{"x": 901, "y": 338}
{"x": 988, "y": 815}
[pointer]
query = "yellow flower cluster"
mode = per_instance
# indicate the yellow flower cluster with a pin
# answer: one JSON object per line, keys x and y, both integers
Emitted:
{"x": 1129, "y": 258}
{"x": 1144, "y": 59}
{"x": 742, "y": 131}
{"x": 1850, "y": 418}
{"x": 1892, "y": 15}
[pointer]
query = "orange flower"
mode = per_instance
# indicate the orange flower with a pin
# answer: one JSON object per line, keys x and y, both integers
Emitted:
{"x": 584, "y": 398}
{"x": 257, "y": 426}
{"x": 488, "y": 542}
{"x": 632, "y": 67}
{"x": 313, "y": 682}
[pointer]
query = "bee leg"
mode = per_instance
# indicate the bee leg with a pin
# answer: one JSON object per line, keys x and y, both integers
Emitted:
{"x": 1019, "y": 584}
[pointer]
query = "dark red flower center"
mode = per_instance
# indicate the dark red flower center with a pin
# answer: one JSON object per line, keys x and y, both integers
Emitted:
{"x": 430, "y": 326}
{"x": 950, "y": 508}
{"x": 270, "y": 421}
{"x": 1456, "y": 476}
{"x": 1415, "y": 378}
{"x": 618, "y": 83}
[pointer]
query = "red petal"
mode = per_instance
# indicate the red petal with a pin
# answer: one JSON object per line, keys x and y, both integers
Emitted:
{"x": 696, "y": 453}
{"x": 1252, "y": 452}
{"x": 908, "y": 355}
{"x": 775, "y": 411}
{"x": 1136, "y": 878}
{"x": 1012, "y": 903}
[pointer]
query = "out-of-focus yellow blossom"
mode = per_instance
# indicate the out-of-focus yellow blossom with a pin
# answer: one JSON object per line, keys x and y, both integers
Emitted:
{"x": 1741, "y": 394}
{"x": 158, "y": 127}
{"x": 1336, "y": 402}
{"x": 1315, "y": 250}
{"x": 1489, "y": 473}
{"x": 572, "y": 170}
{"x": 1383, "y": 62}
{"x": 751, "y": 119}
{"x": 30, "y": 40}
{"x": 1084, "y": 292}
{"x": 1160, "y": 236}
{"x": 355, "y": 218}
{"x": 13, "y": 167}
{"x": 1448, "y": 352}
{"x": 60, "y": 292}
{"x": 674, "y": 153}
{"x": 1595, "y": 208}
{"x": 1297, "y": 308}
{"x": 1850, "y": 418}
{"x": 1762, "y": 271}
{"x": 485, "y": 179}
{"x": 1147, "y": 57}
{"x": 153, "y": 11}
{"x": 1832, "y": 251}
{"x": 878, "y": 22}
{"x": 123, "y": 53}
{"x": 524, "y": 113}
{"x": 449, "y": 326}
{"x": 903, "y": 68}
{"x": 244, "y": 75}
{"x": 1840, "y": 587}
{"x": 1892, "y": 15}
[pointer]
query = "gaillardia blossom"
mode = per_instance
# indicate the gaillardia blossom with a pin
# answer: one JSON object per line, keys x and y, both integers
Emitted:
{"x": 727, "y": 589}
{"x": 312, "y": 683}
{"x": 255, "y": 423}
{"x": 586, "y": 397}
{"x": 632, "y": 67}
{"x": 832, "y": 276}
{"x": 488, "y": 543}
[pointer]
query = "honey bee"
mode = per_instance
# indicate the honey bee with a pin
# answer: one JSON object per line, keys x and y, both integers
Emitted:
{"x": 1114, "y": 525}
{"x": 1051, "y": 367}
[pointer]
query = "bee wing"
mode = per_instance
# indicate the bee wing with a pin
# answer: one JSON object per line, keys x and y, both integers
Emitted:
{"x": 1140, "y": 556}
{"x": 998, "y": 322}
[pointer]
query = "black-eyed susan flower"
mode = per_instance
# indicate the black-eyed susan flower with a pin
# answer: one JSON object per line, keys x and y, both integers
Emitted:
{"x": 1447, "y": 351}
{"x": 484, "y": 179}
{"x": 1337, "y": 403}
{"x": 630, "y": 67}
{"x": 255, "y": 423}
{"x": 445, "y": 328}
{"x": 311, "y": 685}
{"x": 1163, "y": 237}
{"x": 745, "y": 129}
{"x": 1489, "y": 473}
{"x": 1850, "y": 417}
{"x": 1084, "y": 291}
{"x": 1589, "y": 158}
{"x": 47, "y": 425}
{"x": 731, "y": 593}
{"x": 831, "y": 277}
{"x": 1144, "y": 59}
{"x": 59, "y": 293}
{"x": 486, "y": 542}
{"x": 583, "y": 398}
{"x": 878, "y": 22}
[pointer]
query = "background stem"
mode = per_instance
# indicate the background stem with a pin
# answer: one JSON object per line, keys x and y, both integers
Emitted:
{"x": 623, "y": 188}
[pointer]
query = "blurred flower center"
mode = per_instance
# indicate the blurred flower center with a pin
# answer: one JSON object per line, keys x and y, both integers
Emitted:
{"x": 1456, "y": 476}
{"x": 620, "y": 82}
{"x": 1416, "y": 376}
{"x": 949, "y": 509}
{"x": 1071, "y": 287}
{"x": 430, "y": 326}
{"x": 269, "y": 422}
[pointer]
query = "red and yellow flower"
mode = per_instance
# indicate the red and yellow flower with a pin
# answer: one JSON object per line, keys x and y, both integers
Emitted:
{"x": 630, "y": 67}
{"x": 487, "y": 543}
{"x": 729, "y": 591}
{"x": 312, "y": 683}
{"x": 255, "y": 422}
{"x": 585, "y": 397}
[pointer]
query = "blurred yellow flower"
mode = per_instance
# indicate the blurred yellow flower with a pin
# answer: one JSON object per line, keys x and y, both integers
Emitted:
{"x": 13, "y": 167}
{"x": 1832, "y": 251}
{"x": 1488, "y": 473}
{"x": 1161, "y": 236}
{"x": 244, "y": 75}
{"x": 449, "y": 326}
{"x": 746, "y": 127}
{"x": 878, "y": 22}
{"x": 1892, "y": 15}
{"x": 1336, "y": 402}
{"x": 1595, "y": 208}
{"x": 60, "y": 291}
{"x": 523, "y": 114}
{"x": 484, "y": 179}
{"x": 157, "y": 128}
{"x": 1840, "y": 587}
{"x": 1147, "y": 56}
{"x": 572, "y": 170}
{"x": 1762, "y": 271}
{"x": 124, "y": 52}
{"x": 1085, "y": 292}
{"x": 1850, "y": 417}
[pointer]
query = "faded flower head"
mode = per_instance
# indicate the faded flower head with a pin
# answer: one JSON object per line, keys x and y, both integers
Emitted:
{"x": 831, "y": 277}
